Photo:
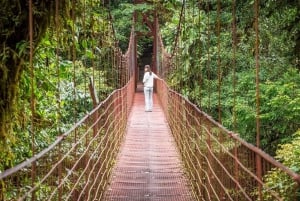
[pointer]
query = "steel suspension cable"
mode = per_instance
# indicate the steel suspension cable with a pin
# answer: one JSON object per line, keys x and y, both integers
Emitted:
{"x": 176, "y": 64}
{"x": 74, "y": 66}
{"x": 93, "y": 46}
{"x": 208, "y": 56}
{"x": 208, "y": 138}
{"x": 200, "y": 56}
{"x": 115, "y": 51}
{"x": 183, "y": 38}
{"x": 108, "y": 59}
{"x": 176, "y": 47}
{"x": 178, "y": 30}
{"x": 234, "y": 49}
{"x": 85, "y": 46}
{"x": 32, "y": 97}
{"x": 100, "y": 57}
{"x": 58, "y": 99}
{"x": 219, "y": 60}
{"x": 222, "y": 159}
{"x": 109, "y": 55}
{"x": 86, "y": 40}
{"x": 257, "y": 67}
{"x": 202, "y": 171}
{"x": 92, "y": 84}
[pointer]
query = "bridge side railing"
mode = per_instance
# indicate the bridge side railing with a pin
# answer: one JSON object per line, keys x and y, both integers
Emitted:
{"x": 220, "y": 165}
{"x": 78, "y": 164}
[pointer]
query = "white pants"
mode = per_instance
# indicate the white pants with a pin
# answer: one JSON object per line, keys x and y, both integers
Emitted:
{"x": 148, "y": 91}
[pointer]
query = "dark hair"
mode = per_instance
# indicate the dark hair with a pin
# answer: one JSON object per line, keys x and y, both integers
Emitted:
{"x": 149, "y": 69}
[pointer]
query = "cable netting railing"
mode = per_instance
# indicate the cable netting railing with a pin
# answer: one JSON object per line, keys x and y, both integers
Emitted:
{"x": 220, "y": 165}
{"x": 77, "y": 165}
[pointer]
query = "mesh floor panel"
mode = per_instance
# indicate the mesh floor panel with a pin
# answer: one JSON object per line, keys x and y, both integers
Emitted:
{"x": 148, "y": 166}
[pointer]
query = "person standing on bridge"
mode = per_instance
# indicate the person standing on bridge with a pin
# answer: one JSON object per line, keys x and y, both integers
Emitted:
{"x": 149, "y": 76}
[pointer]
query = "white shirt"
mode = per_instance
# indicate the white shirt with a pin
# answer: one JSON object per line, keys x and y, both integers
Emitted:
{"x": 148, "y": 79}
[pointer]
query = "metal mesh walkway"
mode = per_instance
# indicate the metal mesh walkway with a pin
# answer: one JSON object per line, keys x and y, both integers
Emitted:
{"x": 148, "y": 166}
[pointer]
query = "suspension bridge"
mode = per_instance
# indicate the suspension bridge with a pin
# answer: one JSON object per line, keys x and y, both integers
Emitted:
{"x": 118, "y": 151}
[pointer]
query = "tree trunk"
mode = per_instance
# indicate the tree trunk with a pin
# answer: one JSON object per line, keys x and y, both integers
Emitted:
{"x": 10, "y": 71}
{"x": 14, "y": 30}
{"x": 9, "y": 79}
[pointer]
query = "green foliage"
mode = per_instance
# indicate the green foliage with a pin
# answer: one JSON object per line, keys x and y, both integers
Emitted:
{"x": 280, "y": 111}
{"x": 289, "y": 155}
{"x": 199, "y": 75}
{"x": 13, "y": 52}
{"x": 122, "y": 13}
{"x": 60, "y": 82}
{"x": 122, "y": 19}
{"x": 205, "y": 75}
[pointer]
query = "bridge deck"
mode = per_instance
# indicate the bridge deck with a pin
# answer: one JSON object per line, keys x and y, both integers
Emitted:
{"x": 148, "y": 165}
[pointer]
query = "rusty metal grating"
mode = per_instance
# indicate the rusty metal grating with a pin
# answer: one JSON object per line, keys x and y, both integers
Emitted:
{"x": 148, "y": 167}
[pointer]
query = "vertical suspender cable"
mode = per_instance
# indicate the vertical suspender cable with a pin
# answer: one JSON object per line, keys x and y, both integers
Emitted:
{"x": 32, "y": 98}
{"x": 156, "y": 43}
{"x": 85, "y": 46}
{"x": 219, "y": 62}
{"x": 114, "y": 48}
{"x": 221, "y": 137}
{"x": 195, "y": 135}
{"x": 175, "y": 46}
{"x": 74, "y": 67}
{"x": 257, "y": 67}
{"x": 234, "y": 48}
{"x": 193, "y": 11}
{"x": 57, "y": 27}
{"x": 58, "y": 95}
{"x": 113, "y": 55}
{"x": 208, "y": 140}
{"x": 178, "y": 31}
{"x": 85, "y": 63}
{"x": 208, "y": 56}
{"x": 93, "y": 46}
{"x": 183, "y": 41}
{"x": 200, "y": 52}
{"x": 99, "y": 52}
{"x": 109, "y": 55}
{"x": 92, "y": 80}
{"x": 107, "y": 50}
{"x": 174, "y": 52}
{"x": 106, "y": 47}
{"x": 100, "y": 58}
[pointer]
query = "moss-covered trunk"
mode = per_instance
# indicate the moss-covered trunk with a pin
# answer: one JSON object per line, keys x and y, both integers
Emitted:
{"x": 14, "y": 50}
{"x": 9, "y": 86}
{"x": 10, "y": 71}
